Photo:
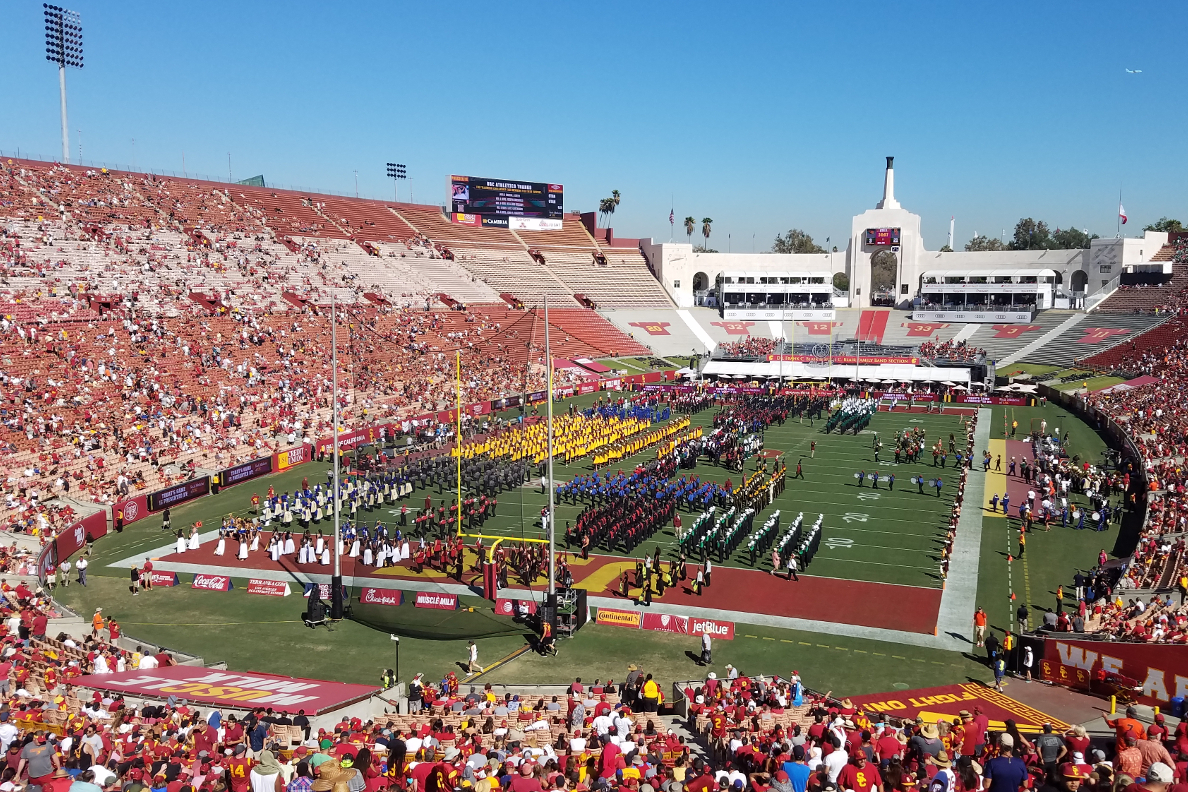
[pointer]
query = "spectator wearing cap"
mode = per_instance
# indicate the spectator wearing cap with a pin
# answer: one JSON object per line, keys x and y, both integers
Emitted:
{"x": 859, "y": 775}
{"x": 1158, "y": 778}
{"x": 1068, "y": 778}
{"x": 1007, "y": 772}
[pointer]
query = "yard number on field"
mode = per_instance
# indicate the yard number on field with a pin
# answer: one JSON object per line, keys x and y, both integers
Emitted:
{"x": 855, "y": 517}
{"x": 868, "y": 496}
{"x": 834, "y": 542}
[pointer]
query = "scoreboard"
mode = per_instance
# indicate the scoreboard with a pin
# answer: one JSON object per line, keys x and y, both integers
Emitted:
{"x": 882, "y": 236}
{"x": 506, "y": 203}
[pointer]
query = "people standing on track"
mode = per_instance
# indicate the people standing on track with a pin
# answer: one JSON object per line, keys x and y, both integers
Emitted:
{"x": 473, "y": 658}
{"x": 979, "y": 627}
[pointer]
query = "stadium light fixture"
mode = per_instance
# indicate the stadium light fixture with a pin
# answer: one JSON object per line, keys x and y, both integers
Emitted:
{"x": 63, "y": 46}
{"x": 396, "y": 173}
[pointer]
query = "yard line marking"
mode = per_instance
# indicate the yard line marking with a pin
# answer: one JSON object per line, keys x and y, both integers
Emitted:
{"x": 897, "y": 657}
{"x": 768, "y": 639}
{"x": 804, "y": 643}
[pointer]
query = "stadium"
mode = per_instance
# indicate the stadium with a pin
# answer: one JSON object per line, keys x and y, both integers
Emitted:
{"x": 375, "y": 481}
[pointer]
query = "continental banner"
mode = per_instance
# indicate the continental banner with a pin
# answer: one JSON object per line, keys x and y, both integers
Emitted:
{"x": 619, "y": 618}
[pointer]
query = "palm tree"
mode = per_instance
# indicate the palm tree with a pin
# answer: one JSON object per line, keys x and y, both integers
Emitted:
{"x": 606, "y": 207}
{"x": 706, "y": 222}
{"x": 690, "y": 226}
{"x": 616, "y": 196}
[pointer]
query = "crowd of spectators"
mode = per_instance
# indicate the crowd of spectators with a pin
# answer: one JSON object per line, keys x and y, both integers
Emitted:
{"x": 952, "y": 350}
{"x": 752, "y": 346}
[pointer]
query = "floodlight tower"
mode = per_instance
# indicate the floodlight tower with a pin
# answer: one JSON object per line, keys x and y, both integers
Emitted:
{"x": 63, "y": 46}
{"x": 396, "y": 173}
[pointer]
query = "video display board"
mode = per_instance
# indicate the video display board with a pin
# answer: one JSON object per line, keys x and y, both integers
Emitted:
{"x": 882, "y": 236}
{"x": 506, "y": 203}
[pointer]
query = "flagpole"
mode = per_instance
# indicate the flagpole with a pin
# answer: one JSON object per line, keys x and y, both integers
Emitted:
{"x": 551, "y": 525}
{"x": 1118, "y": 219}
{"x": 458, "y": 437}
{"x": 336, "y": 605}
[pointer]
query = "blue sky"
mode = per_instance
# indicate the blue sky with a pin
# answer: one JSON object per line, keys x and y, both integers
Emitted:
{"x": 763, "y": 116}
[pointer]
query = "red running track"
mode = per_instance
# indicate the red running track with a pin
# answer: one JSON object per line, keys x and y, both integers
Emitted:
{"x": 891, "y": 607}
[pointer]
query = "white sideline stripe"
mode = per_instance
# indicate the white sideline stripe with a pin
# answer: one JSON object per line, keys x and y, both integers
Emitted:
{"x": 697, "y": 329}
{"x": 959, "y": 599}
{"x": 966, "y": 333}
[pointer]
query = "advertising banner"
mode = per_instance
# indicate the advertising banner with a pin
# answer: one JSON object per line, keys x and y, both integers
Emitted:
{"x": 324, "y": 591}
{"x": 134, "y": 509}
{"x": 510, "y": 607}
{"x": 46, "y": 562}
{"x": 619, "y": 618}
{"x": 847, "y": 360}
{"x": 180, "y": 493}
{"x": 587, "y": 387}
{"x": 536, "y": 396}
{"x": 380, "y": 596}
{"x": 270, "y": 588}
{"x": 212, "y": 582}
{"x": 95, "y": 525}
{"x": 430, "y": 599}
{"x": 70, "y": 540}
{"x": 291, "y": 457}
{"x": 1159, "y": 670}
{"x": 166, "y": 579}
{"x": 662, "y": 622}
{"x": 355, "y": 437}
{"x": 248, "y": 470}
{"x": 716, "y": 629}
{"x": 231, "y": 689}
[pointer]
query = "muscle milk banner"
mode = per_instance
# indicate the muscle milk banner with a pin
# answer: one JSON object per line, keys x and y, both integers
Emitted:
{"x": 430, "y": 599}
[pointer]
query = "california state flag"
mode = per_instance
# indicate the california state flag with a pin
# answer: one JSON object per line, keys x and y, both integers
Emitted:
{"x": 1122, "y": 213}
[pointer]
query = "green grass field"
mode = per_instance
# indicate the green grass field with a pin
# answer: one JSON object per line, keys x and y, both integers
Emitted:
{"x": 895, "y": 543}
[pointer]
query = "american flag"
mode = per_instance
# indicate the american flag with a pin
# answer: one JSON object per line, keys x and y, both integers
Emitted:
{"x": 671, "y": 217}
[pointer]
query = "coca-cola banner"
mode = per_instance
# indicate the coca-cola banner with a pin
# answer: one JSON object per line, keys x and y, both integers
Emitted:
{"x": 1160, "y": 670}
{"x": 212, "y": 582}
{"x": 716, "y": 629}
{"x": 165, "y": 579}
{"x": 431, "y": 599}
{"x": 134, "y": 509}
{"x": 380, "y": 596}
{"x": 270, "y": 588}
{"x": 510, "y": 607}
{"x": 662, "y": 622}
